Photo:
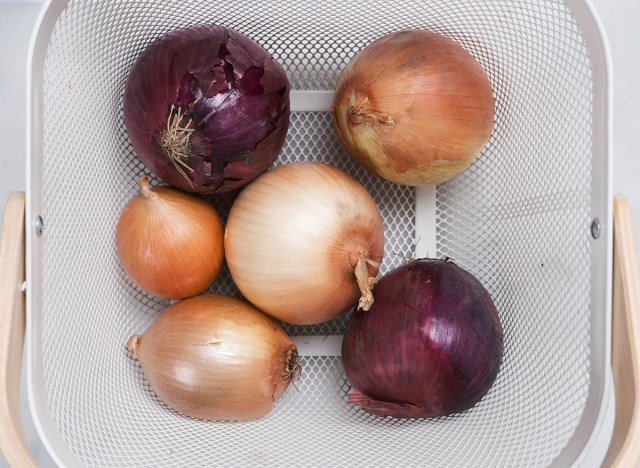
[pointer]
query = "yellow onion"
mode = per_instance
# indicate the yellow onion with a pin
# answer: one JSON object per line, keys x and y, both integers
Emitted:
{"x": 216, "y": 357}
{"x": 170, "y": 243}
{"x": 413, "y": 107}
{"x": 303, "y": 242}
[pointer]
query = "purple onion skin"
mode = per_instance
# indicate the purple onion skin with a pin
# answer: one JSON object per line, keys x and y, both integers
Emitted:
{"x": 235, "y": 94}
{"x": 431, "y": 345}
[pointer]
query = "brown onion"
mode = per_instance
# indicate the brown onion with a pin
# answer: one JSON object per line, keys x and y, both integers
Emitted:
{"x": 216, "y": 357}
{"x": 170, "y": 243}
{"x": 413, "y": 107}
{"x": 303, "y": 242}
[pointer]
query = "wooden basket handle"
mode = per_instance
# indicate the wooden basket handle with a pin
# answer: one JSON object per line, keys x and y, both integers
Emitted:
{"x": 12, "y": 317}
{"x": 624, "y": 449}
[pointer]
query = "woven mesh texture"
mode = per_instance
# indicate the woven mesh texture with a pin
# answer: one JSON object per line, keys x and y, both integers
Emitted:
{"x": 517, "y": 219}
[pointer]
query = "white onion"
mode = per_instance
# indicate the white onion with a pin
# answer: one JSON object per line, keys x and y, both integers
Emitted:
{"x": 295, "y": 238}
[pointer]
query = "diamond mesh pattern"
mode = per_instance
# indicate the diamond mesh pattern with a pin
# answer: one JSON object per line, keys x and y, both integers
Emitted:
{"x": 518, "y": 219}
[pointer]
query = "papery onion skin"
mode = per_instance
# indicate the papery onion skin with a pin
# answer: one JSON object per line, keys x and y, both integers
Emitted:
{"x": 216, "y": 357}
{"x": 224, "y": 99}
{"x": 431, "y": 345}
{"x": 170, "y": 243}
{"x": 294, "y": 237}
{"x": 414, "y": 108}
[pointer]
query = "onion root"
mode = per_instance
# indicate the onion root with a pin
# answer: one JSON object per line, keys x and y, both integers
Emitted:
{"x": 292, "y": 369}
{"x": 175, "y": 141}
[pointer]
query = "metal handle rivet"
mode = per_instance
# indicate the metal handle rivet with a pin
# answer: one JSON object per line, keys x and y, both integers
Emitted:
{"x": 596, "y": 228}
{"x": 39, "y": 225}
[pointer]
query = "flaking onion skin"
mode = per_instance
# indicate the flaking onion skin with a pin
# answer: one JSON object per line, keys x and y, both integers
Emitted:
{"x": 413, "y": 107}
{"x": 216, "y": 357}
{"x": 206, "y": 108}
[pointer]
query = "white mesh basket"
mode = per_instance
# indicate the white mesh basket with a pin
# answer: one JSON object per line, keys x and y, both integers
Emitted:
{"x": 523, "y": 219}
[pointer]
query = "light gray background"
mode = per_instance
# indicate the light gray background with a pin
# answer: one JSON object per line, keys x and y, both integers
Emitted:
{"x": 619, "y": 17}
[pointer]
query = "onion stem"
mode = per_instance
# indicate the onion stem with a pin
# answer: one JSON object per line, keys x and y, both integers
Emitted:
{"x": 362, "y": 111}
{"x": 145, "y": 188}
{"x": 132, "y": 344}
{"x": 365, "y": 282}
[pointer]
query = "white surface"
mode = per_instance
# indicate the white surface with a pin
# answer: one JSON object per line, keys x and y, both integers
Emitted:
{"x": 619, "y": 18}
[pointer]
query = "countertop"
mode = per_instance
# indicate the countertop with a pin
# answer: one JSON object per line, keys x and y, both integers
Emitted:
{"x": 619, "y": 17}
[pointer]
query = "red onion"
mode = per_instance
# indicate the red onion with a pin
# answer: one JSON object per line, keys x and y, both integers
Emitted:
{"x": 206, "y": 108}
{"x": 431, "y": 344}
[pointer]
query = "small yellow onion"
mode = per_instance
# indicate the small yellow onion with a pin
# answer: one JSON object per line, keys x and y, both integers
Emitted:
{"x": 303, "y": 242}
{"x": 170, "y": 243}
{"x": 216, "y": 357}
{"x": 413, "y": 107}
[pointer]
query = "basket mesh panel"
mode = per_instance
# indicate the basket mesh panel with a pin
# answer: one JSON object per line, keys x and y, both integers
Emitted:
{"x": 518, "y": 219}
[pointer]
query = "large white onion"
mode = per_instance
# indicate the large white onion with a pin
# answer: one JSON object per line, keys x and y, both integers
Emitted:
{"x": 295, "y": 238}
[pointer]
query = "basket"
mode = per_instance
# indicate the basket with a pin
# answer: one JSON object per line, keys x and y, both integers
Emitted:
{"x": 531, "y": 219}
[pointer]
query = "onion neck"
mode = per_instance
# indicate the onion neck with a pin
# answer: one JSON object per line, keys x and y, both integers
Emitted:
{"x": 365, "y": 282}
{"x": 360, "y": 111}
{"x": 145, "y": 188}
{"x": 132, "y": 345}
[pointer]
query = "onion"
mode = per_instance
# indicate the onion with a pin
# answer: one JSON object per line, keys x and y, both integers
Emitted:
{"x": 206, "y": 108}
{"x": 431, "y": 345}
{"x": 303, "y": 242}
{"x": 216, "y": 357}
{"x": 413, "y": 107}
{"x": 169, "y": 242}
